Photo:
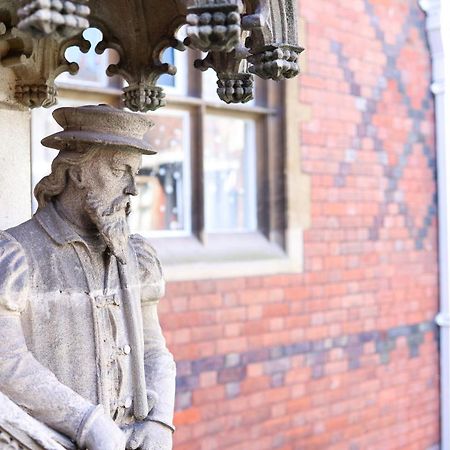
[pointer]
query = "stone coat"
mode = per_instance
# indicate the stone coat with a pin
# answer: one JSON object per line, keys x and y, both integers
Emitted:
{"x": 78, "y": 329}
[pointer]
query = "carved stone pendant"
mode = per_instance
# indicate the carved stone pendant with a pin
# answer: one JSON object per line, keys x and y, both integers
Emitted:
{"x": 214, "y": 27}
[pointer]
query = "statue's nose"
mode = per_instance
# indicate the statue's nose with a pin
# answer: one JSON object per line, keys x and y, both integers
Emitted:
{"x": 131, "y": 188}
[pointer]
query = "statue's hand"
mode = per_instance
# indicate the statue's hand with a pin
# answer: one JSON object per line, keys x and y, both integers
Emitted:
{"x": 149, "y": 436}
{"x": 104, "y": 434}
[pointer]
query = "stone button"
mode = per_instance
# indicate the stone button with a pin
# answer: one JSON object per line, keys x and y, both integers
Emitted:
{"x": 126, "y": 403}
{"x": 126, "y": 349}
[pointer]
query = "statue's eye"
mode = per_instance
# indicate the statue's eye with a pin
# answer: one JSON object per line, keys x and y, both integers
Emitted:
{"x": 118, "y": 171}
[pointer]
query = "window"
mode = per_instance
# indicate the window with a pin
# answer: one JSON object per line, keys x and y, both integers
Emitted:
{"x": 215, "y": 192}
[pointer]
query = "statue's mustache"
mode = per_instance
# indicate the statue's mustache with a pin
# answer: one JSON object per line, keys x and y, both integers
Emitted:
{"x": 117, "y": 205}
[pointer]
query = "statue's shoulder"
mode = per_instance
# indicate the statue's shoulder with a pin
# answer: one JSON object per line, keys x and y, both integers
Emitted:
{"x": 14, "y": 273}
{"x": 143, "y": 249}
{"x": 150, "y": 272}
{"x": 23, "y": 232}
{"x": 9, "y": 246}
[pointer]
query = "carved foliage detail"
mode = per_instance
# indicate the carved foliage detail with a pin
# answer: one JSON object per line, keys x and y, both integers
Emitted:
{"x": 139, "y": 33}
{"x": 241, "y": 38}
{"x": 143, "y": 97}
{"x": 276, "y": 62}
{"x": 36, "y": 60}
{"x": 263, "y": 43}
{"x": 47, "y": 16}
{"x": 234, "y": 84}
{"x": 235, "y": 88}
{"x": 214, "y": 27}
{"x": 35, "y": 95}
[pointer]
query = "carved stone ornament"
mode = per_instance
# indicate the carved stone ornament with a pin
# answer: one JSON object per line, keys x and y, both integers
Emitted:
{"x": 140, "y": 32}
{"x": 234, "y": 84}
{"x": 80, "y": 341}
{"x": 36, "y": 61}
{"x": 48, "y": 16}
{"x": 275, "y": 62}
{"x": 266, "y": 45}
{"x": 235, "y": 88}
{"x": 240, "y": 37}
{"x": 214, "y": 25}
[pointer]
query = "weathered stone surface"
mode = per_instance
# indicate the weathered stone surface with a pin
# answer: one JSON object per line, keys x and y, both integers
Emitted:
{"x": 15, "y": 182}
{"x": 80, "y": 341}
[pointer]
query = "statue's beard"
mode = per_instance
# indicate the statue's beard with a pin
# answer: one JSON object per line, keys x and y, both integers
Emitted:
{"x": 111, "y": 223}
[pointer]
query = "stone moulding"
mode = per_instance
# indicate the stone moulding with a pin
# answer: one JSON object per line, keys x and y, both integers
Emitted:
{"x": 242, "y": 38}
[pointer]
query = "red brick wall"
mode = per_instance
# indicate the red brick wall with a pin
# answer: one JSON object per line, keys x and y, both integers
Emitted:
{"x": 343, "y": 356}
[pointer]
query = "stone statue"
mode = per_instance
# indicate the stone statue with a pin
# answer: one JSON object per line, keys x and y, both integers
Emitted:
{"x": 81, "y": 348}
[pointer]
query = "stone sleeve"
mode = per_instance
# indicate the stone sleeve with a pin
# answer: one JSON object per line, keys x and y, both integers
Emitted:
{"x": 14, "y": 283}
{"x": 22, "y": 378}
{"x": 160, "y": 369}
{"x": 151, "y": 278}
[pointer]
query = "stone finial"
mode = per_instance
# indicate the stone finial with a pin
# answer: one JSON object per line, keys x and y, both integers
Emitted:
{"x": 235, "y": 88}
{"x": 143, "y": 97}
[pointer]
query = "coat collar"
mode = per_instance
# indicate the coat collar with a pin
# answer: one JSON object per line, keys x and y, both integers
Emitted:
{"x": 59, "y": 229}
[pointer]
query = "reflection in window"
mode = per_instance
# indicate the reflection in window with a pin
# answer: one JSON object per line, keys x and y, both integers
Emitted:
{"x": 230, "y": 174}
{"x": 163, "y": 201}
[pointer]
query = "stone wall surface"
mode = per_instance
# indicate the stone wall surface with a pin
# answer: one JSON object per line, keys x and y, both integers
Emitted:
{"x": 343, "y": 356}
{"x": 15, "y": 157}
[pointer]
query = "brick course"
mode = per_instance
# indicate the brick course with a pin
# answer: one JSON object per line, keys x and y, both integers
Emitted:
{"x": 344, "y": 355}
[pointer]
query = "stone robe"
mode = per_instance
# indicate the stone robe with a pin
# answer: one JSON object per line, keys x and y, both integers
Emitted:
{"x": 78, "y": 329}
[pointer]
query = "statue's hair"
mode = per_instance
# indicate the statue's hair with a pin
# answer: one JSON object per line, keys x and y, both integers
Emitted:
{"x": 54, "y": 184}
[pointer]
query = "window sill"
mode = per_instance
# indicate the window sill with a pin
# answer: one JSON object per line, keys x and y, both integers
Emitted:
{"x": 223, "y": 256}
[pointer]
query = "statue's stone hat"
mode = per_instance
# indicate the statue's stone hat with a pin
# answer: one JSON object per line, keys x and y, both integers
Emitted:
{"x": 102, "y": 125}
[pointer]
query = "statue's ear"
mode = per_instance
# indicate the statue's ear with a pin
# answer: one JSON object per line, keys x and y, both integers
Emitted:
{"x": 76, "y": 176}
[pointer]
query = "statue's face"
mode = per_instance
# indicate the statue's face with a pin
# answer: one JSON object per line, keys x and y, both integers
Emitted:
{"x": 111, "y": 176}
{"x": 108, "y": 180}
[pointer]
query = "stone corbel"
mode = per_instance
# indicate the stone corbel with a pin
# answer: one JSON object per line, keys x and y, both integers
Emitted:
{"x": 142, "y": 94}
{"x": 262, "y": 41}
{"x": 35, "y": 58}
{"x": 140, "y": 34}
{"x": 214, "y": 25}
{"x": 275, "y": 61}
{"x": 273, "y": 39}
{"x": 234, "y": 84}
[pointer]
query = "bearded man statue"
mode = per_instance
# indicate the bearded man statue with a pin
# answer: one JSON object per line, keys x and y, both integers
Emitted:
{"x": 81, "y": 348}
